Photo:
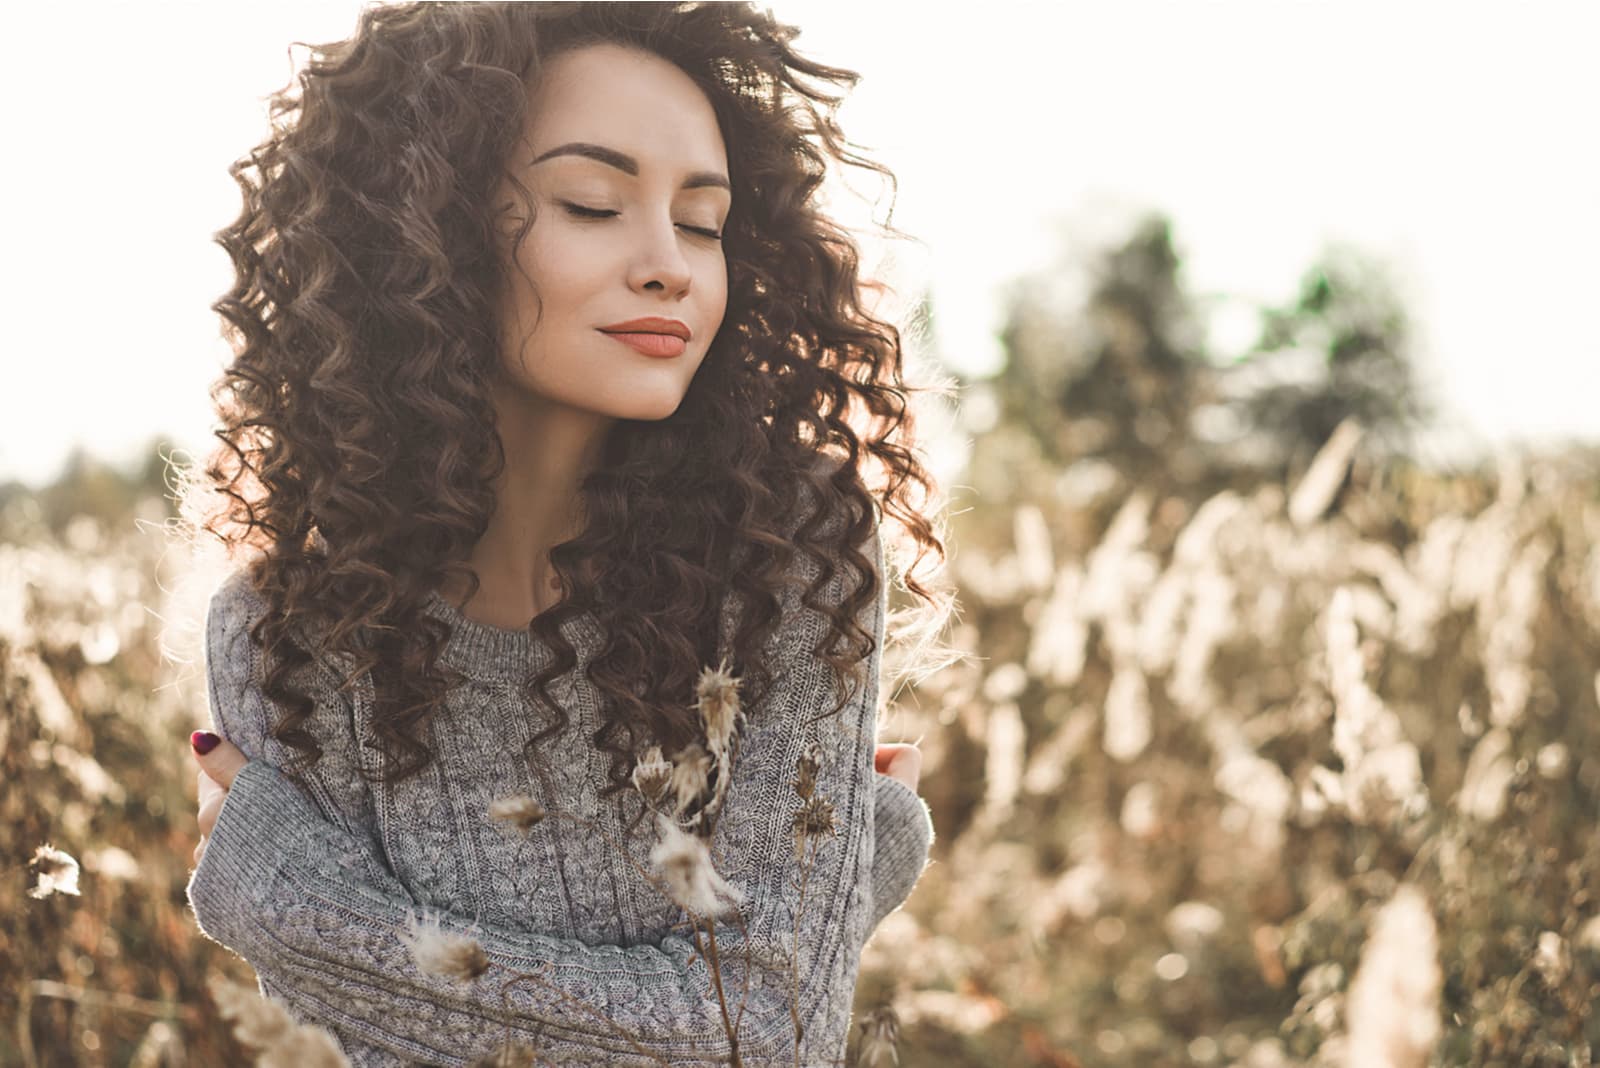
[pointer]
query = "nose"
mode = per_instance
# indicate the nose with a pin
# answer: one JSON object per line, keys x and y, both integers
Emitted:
{"x": 659, "y": 266}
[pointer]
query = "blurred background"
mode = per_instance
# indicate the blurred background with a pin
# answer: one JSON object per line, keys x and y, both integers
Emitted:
{"x": 1272, "y": 457}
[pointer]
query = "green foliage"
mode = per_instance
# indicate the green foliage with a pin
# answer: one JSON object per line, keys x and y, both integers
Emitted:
{"x": 1346, "y": 315}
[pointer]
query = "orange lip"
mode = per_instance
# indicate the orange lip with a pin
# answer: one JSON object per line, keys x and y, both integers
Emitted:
{"x": 650, "y": 325}
{"x": 650, "y": 343}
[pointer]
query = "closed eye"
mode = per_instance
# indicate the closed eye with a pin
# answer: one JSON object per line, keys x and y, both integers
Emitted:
{"x": 578, "y": 211}
{"x": 581, "y": 212}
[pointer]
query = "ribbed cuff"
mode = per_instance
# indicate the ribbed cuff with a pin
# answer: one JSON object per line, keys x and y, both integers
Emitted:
{"x": 904, "y": 834}
{"x": 244, "y": 851}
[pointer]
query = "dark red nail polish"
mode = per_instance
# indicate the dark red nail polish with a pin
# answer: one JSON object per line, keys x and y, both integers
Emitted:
{"x": 203, "y": 741}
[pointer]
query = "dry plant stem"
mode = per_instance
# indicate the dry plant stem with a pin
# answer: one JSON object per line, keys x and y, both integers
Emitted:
{"x": 716, "y": 979}
{"x": 716, "y": 971}
{"x": 749, "y": 962}
{"x": 505, "y": 998}
{"x": 794, "y": 962}
{"x": 49, "y": 988}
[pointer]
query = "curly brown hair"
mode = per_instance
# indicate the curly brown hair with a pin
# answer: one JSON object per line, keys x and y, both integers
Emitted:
{"x": 358, "y": 439}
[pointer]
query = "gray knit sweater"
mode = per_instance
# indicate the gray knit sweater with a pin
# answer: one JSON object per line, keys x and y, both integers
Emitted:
{"x": 316, "y": 888}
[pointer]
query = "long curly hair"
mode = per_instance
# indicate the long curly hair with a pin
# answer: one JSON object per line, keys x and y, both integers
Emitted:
{"x": 358, "y": 446}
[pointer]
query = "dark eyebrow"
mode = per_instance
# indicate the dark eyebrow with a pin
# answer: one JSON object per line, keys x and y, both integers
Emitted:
{"x": 628, "y": 165}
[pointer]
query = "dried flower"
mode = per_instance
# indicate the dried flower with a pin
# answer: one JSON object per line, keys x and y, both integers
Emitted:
{"x": 519, "y": 810}
{"x": 1392, "y": 1007}
{"x": 691, "y": 767}
{"x": 814, "y": 819}
{"x": 808, "y": 765}
{"x": 1552, "y": 958}
{"x": 56, "y": 871}
{"x": 441, "y": 952}
{"x": 880, "y": 1035}
{"x": 685, "y": 862}
{"x": 718, "y": 699}
{"x": 261, "y": 1024}
{"x": 652, "y": 775}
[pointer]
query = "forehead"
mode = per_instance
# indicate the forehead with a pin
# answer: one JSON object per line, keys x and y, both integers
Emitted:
{"x": 630, "y": 100}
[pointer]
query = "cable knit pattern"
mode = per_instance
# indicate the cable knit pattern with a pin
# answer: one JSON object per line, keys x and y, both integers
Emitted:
{"x": 315, "y": 886}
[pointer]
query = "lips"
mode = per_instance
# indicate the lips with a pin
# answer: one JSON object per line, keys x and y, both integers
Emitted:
{"x": 664, "y": 345}
{"x": 651, "y": 325}
{"x": 652, "y": 336}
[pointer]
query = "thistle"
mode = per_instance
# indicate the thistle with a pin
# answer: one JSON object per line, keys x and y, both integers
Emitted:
{"x": 653, "y": 775}
{"x": 810, "y": 762}
{"x": 812, "y": 820}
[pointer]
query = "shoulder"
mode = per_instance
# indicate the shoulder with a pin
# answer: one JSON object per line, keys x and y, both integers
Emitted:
{"x": 233, "y": 610}
{"x": 840, "y": 515}
{"x": 233, "y": 607}
{"x": 230, "y": 664}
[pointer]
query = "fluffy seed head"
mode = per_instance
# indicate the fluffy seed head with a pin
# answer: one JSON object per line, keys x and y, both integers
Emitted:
{"x": 718, "y": 698}
{"x": 684, "y": 862}
{"x": 441, "y": 952}
{"x": 691, "y": 767}
{"x": 262, "y": 1025}
{"x": 55, "y": 872}
{"x": 519, "y": 810}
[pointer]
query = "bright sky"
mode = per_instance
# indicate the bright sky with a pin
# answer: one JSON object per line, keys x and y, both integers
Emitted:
{"x": 1453, "y": 141}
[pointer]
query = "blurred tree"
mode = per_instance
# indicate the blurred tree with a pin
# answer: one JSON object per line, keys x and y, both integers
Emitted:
{"x": 1116, "y": 377}
{"x": 90, "y": 486}
{"x": 1108, "y": 362}
{"x": 1339, "y": 349}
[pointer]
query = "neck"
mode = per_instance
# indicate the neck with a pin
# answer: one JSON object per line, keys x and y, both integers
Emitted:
{"x": 549, "y": 449}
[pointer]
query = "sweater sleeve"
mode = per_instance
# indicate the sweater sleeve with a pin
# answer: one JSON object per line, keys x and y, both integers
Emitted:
{"x": 904, "y": 836}
{"x": 296, "y": 895}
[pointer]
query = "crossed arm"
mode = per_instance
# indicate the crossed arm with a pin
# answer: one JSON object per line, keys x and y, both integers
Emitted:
{"x": 320, "y": 917}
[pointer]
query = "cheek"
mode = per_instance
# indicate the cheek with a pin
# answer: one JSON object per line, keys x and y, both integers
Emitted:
{"x": 562, "y": 272}
{"x": 717, "y": 291}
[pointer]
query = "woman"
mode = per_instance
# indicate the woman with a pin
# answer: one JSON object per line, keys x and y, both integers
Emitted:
{"x": 547, "y": 372}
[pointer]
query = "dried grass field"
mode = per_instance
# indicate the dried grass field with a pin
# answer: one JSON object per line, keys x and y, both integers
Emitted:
{"x": 1289, "y": 774}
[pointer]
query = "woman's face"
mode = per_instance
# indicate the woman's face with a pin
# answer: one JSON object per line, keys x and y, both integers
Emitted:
{"x": 629, "y": 178}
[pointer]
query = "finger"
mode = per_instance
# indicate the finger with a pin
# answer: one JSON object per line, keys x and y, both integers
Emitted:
{"x": 207, "y": 818}
{"x": 222, "y": 762}
{"x": 209, "y": 788}
{"x": 909, "y": 757}
{"x": 885, "y": 752}
{"x": 907, "y": 767}
{"x": 200, "y": 849}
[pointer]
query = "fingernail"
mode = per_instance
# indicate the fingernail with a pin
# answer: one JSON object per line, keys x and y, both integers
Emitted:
{"x": 203, "y": 741}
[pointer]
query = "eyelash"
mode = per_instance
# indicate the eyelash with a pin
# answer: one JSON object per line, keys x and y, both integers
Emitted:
{"x": 578, "y": 211}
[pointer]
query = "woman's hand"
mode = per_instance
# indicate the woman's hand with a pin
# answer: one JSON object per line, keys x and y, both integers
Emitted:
{"x": 899, "y": 760}
{"x": 219, "y": 763}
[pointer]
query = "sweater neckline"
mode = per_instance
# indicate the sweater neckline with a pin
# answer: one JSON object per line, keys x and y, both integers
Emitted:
{"x": 483, "y": 649}
{"x": 486, "y": 650}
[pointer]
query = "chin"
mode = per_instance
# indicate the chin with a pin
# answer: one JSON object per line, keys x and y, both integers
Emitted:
{"x": 649, "y": 409}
